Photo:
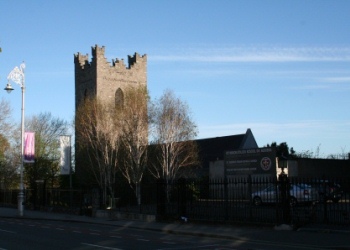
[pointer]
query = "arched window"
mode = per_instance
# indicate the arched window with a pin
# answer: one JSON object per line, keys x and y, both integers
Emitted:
{"x": 85, "y": 94}
{"x": 119, "y": 98}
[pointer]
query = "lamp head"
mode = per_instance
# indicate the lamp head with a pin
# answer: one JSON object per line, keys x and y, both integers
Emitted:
{"x": 8, "y": 88}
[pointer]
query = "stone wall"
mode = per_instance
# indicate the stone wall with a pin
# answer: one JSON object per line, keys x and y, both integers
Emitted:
{"x": 102, "y": 79}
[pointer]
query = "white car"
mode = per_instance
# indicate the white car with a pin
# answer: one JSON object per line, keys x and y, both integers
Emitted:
{"x": 298, "y": 193}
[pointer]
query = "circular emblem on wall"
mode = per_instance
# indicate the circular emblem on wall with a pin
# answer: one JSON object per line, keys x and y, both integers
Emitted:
{"x": 265, "y": 163}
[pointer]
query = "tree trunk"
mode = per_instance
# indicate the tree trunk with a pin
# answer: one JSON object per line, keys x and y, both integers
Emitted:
{"x": 138, "y": 193}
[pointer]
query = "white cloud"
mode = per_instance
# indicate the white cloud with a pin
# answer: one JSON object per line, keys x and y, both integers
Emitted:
{"x": 345, "y": 79}
{"x": 312, "y": 87}
{"x": 263, "y": 54}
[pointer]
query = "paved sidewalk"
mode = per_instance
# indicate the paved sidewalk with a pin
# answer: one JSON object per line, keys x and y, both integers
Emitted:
{"x": 178, "y": 228}
{"x": 282, "y": 233}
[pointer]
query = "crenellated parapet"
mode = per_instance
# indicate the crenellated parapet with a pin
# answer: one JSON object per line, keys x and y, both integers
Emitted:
{"x": 98, "y": 56}
{"x": 81, "y": 60}
{"x": 97, "y": 51}
{"x": 102, "y": 78}
{"x": 118, "y": 64}
{"x": 136, "y": 59}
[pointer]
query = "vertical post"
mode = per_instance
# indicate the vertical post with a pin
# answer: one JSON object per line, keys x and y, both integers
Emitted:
{"x": 250, "y": 191}
{"x": 21, "y": 186}
{"x": 182, "y": 198}
{"x": 284, "y": 191}
{"x": 161, "y": 199}
{"x": 325, "y": 207}
{"x": 17, "y": 76}
{"x": 70, "y": 163}
{"x": 70, "y": 174}
{"x": 226, "y": 198}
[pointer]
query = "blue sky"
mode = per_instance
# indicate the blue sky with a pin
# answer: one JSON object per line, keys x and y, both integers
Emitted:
{"x": 280, "y": 68}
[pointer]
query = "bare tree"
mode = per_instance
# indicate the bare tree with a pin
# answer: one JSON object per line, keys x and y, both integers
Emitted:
{"x": 98, "y": 136}
{"x": 134, "y": 117}
{"x": 8, "y": 171}
{"x": 5, "y": 114}
{"x": 47, "y": 131}
{"x": 9, "y": 160}
{"x": 173, "y": 133}
{"x": 4, "y": 146}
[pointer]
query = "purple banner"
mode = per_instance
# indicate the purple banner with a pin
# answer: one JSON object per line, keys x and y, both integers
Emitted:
{"x": 29, "y": 147}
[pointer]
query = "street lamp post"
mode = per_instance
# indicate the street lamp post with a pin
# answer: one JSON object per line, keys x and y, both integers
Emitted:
{"x": 17, "y": 76}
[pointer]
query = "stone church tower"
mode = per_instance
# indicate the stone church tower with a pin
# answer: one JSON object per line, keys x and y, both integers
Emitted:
{"x": 106, "y": 81}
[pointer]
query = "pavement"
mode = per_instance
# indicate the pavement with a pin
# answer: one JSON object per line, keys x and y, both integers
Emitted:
{"x": 176, "y": 227}
{"x": 237, "y": 232}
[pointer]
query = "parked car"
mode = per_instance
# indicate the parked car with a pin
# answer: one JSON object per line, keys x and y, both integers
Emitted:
{"x": 328, "y": 190}
{"x": 299, "y": 193}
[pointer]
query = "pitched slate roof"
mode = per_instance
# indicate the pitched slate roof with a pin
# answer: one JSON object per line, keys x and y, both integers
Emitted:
{"x": 212, "y": 149}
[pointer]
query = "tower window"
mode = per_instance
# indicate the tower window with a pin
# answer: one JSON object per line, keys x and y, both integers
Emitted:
{"x": 85, "y": 94}
{"x": 119, "y": 98}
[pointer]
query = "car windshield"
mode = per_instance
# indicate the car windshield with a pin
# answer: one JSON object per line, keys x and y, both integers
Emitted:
{"x": 270, "y": 188}
{"x": 303, "y": 186}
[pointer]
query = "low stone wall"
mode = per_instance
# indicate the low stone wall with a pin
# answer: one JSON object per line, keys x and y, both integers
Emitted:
{"x": 116, "y": 215}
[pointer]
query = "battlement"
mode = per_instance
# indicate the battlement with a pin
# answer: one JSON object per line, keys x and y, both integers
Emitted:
{"x": 136, "y": 58}
{"x": 97, "y": 51}
{"x": 81, "y": 60}
{"x": 98, "y": 55}
{"x": 118, "y": 63}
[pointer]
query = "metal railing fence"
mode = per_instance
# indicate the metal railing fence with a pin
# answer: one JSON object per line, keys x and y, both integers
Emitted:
{"x": 230, "y": 200}
{"x": 255, "y": 200}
